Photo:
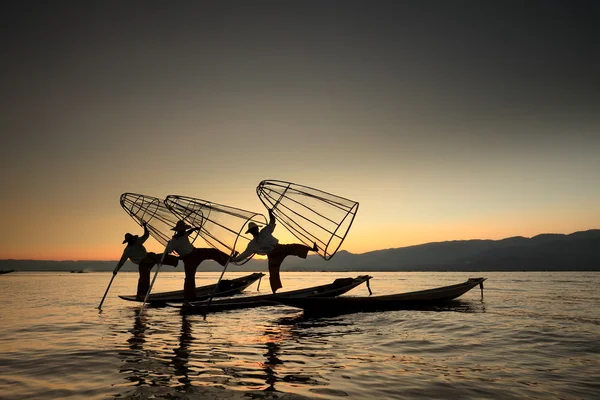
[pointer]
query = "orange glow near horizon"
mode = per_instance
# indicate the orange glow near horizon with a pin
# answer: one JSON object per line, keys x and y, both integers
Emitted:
{"x": 98, "y": 235}
{"x": 356, "y": 242}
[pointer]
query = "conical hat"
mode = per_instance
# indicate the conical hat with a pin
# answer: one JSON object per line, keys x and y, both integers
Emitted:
{"x": 127, "y": 237}
{"x": 180, "y": 226}
{"x": 250, "y": 226}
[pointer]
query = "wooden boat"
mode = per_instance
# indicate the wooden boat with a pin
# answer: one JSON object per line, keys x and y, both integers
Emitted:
{"x": 411, "y": 300}
{"x": 227, "y": 287}
{"x": 336, "y": 288}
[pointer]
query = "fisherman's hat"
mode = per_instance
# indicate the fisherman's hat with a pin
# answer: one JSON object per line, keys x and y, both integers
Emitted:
{"x": 250, "y": 226}
{"x": 127, "y": 237}
{"x": 180, "y": 226}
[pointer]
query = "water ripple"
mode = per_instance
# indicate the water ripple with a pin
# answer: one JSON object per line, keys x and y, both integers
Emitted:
{"x": 534, "y": 335}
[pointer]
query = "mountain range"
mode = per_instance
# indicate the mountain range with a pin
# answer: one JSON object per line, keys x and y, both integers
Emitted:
{"x": 579, "y": 251}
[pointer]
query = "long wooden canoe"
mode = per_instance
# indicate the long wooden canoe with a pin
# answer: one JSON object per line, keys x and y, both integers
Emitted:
{"x": 411, "y": 300}
{"x": 336, "y": 288}
{"x": 227, "y": 287}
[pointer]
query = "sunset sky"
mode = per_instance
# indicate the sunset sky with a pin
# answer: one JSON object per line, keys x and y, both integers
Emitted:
{"x": 446, "y": 120}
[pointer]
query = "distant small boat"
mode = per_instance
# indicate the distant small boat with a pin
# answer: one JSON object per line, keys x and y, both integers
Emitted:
{"x": 7, "y": 271}
{"x": 400, "y": 301}
{"x": 336, "y": 288}
{"x": 227, "y": 287}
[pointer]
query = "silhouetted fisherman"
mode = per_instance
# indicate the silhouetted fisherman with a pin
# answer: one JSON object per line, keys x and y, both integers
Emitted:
{"x": 136, "y": 252}
{"x": 191, "y": 256}
{"x": 264, "y": 243}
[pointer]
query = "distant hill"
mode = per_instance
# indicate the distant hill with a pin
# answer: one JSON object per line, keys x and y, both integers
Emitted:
{"x": 76, "y": 266}
{"x": 579, "y": 251}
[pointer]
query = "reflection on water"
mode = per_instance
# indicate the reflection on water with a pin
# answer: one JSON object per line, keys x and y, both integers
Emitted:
{"x": 272, "y": 362}
{"x": 290, "y": 355}
{"x": 302, "y": 326}
{"x": 266, "y": 353}
{"x": 139, "y": 364}
{"x": 199, "y": 363}
{"x": 159, "y": 368}
{"x": 459, "y": 306}
{"x": 180, "y": 360}
{"x": 196, "y": 363}
{"x": 302, "y": 320}
{"x": 535, "y": 335}
{"x": 135, "y": 356}
{"x": 144, "y": 363}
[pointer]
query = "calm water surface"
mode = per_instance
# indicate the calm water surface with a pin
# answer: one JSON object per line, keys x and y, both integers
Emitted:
{"x": 534, "y": 335}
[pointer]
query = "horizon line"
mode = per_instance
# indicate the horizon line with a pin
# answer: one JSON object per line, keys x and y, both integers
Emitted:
{"x": 341, "y": 250}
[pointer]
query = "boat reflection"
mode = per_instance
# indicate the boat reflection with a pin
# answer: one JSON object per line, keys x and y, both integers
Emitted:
{"x": 461, "y": 306}
{"x": 302, "y": 325}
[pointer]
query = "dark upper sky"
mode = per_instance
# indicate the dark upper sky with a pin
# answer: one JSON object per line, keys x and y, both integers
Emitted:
{"x": 487, "y": 58}
{"x": 389, "y": 84}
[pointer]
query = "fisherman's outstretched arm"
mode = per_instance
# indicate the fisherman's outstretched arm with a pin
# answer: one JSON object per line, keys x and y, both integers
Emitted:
{"x": 190, "y": 231}
{"x": 271, "y": 226}
{"x": 124, "y": 258}
{"x": 245, "y": 254}
{"x": 146, "y": 233}
{"x": 271, "y": 217}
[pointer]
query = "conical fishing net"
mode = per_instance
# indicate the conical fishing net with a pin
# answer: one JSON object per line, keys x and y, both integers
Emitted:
{"x": 223, "y": 227}
{"x": 158, "y": 217}
{"x": 311, "y": 215}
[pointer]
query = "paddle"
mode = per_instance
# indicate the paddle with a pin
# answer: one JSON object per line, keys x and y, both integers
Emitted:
{"x": 154, "y": 279}
{"x": 217, "y": 285}
{"x": 108, "y": 287}
{"x": 105, "y": 293}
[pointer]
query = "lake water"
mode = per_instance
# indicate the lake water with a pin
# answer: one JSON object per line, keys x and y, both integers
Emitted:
{"x": 534, "y": 335}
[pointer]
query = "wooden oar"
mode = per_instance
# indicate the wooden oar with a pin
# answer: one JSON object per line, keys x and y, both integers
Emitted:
{"x": 105, "y": 293}
{"x": 143, "y": 224}
{"x": 217, "y": 285}
{"x": 153, "y": 279}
